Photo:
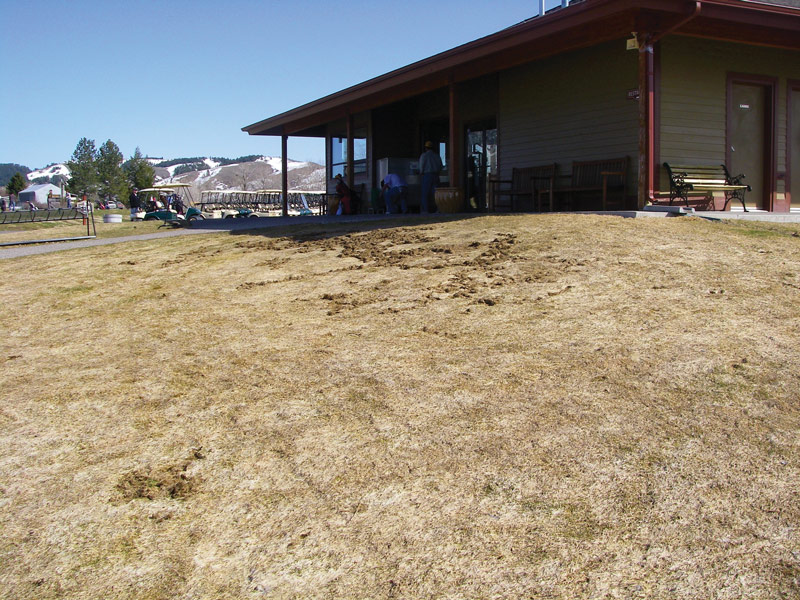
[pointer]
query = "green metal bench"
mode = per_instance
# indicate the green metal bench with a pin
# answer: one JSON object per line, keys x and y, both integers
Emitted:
{"x": 702, "y": 180}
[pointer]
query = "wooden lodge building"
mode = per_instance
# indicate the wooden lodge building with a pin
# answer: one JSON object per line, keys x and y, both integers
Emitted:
{"x": 588, "y": 90}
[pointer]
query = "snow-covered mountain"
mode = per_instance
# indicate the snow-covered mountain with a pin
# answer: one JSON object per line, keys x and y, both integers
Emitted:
{"x": 263, "y": 172}
{"x": 51, "y": 171}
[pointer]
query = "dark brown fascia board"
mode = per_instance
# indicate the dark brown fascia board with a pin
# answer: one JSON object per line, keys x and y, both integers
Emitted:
{"x": 774, "y": 16}
{"x": 436, "y": 71}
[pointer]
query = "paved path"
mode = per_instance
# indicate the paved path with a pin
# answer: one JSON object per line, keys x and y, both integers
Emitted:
{"x": 222, "y": 225}
{"x": 197, "y": 227}
{"x": 48, "y": 247}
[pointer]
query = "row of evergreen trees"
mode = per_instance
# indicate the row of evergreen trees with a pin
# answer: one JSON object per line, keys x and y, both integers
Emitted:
{"x": 103, "y": 172}
{"x": 97, "y": 172}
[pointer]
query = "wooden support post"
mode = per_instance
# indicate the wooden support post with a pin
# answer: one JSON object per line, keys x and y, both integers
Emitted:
{"x": 646, "y": 121}
{"x": 351, "y": 177}
{"x": 285, "y": 174}
{"x": 456, "y": 155}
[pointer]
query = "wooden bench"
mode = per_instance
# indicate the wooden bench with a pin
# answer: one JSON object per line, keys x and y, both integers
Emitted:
{"x": 532, "y": 183}
{"x": 702, "y": 180}
{"x": 597, "y": 176}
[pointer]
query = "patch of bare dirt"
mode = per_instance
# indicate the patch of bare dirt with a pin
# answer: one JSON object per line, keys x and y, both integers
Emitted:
{"x": 166, "y": 481}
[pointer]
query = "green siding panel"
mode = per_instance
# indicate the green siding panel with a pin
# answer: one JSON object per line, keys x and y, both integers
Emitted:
{"x": 694, "y": 76}
{"x": 570, "y": 107}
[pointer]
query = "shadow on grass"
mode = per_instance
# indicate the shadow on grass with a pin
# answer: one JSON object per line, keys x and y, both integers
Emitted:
{"x": 315, "y": 228}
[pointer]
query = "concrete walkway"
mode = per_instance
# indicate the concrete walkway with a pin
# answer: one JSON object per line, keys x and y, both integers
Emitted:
{"x": 223, "y": 225}
{"x": 196, "y": 228}
{"x": 716, "y": 215}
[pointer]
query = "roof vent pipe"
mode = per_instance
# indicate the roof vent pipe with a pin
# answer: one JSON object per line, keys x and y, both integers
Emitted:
{"x": 543, "y": 8}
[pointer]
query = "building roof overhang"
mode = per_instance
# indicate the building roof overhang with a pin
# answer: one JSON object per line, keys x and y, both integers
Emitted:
{"x": 579, "y": 25}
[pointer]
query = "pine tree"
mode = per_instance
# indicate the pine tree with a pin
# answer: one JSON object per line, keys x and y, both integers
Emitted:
{"x": 138, "y": 171}
{"x": 83, "y": 168}
{"x": 16, "y": 184}
{"x": 110, "y": 176}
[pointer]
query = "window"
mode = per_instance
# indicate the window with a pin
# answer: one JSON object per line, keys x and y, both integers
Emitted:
{"x": 339, "y": 155}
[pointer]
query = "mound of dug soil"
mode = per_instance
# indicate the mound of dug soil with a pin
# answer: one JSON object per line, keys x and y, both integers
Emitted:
{"x": 171, "y": 481}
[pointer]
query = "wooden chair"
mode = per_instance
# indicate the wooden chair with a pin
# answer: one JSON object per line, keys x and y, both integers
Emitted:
{"x": 527, "y": 184}
{"x": 600, "y": 177}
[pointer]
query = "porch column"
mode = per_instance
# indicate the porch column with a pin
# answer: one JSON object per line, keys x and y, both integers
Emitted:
{"x": 350, "y": 150}
{"x": 285, "y": 174}
{"x": 646, "y": 120}
{"x": 456, "y": 151}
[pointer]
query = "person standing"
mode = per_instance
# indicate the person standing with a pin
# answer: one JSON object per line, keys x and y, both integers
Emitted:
{"x": 133, "y": 201}
{"x": 430, "y": 165}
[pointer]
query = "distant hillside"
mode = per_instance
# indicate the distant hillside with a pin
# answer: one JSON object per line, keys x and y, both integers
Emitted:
{"x": 208, "y": 173}
{"x": 245, "y": 173}
{"x": 7, "y": 171}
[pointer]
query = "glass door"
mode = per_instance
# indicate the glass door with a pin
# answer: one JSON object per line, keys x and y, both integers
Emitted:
{"x": 481, "y": 156}
{"x": 794, "y": 147}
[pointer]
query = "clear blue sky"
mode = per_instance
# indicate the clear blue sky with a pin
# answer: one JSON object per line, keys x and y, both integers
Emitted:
{"x": 179, "y": 78}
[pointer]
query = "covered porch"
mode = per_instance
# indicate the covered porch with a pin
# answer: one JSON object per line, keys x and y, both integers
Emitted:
{"x": 582, "y": 84}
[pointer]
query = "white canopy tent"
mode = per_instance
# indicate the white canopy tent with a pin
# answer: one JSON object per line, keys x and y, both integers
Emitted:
{"x": 38, "y": 194}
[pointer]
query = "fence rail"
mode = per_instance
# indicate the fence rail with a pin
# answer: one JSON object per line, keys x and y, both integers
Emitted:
{"x": 11, "y": 217}
{"x": 31, "y": 216}
{"x": 263, "y": 201}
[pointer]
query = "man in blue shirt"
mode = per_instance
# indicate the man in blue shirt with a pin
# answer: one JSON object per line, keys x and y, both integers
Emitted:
{"x": 395, "y": 188}
{"x": 430, "y": 165}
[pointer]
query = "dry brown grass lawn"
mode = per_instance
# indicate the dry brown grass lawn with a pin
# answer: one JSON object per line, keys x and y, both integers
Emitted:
{"x": 497, "y": 407}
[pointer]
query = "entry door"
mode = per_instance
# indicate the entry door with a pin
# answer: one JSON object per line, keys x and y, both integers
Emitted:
{"x": 481, "y": 158}
{"x": 748, "y": 139}
{"x": 794, "y": 148}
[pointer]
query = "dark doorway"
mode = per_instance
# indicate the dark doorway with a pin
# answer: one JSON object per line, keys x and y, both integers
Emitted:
{"x": 437, "y": 132}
